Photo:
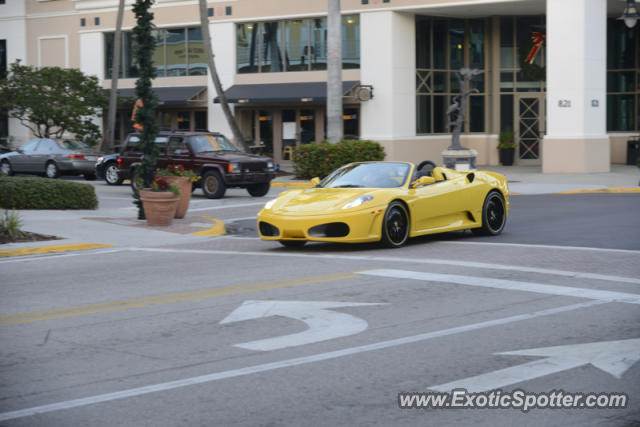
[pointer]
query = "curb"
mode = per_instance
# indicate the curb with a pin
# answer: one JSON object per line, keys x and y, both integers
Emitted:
{"x": 52, "y": 249}
{"x": 217, "y": 229}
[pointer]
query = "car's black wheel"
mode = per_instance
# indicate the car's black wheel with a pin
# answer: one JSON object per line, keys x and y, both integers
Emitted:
{"x": 259, "y": 190}
{"x": 5, "y": 168}
{"x": 51, "y": 170}
{"x": 395, "y": 225}
{"x": 292, "y": 243}
{"x": 212, "y": 185}
{"x": 90, "y": 176}
{"x": 136, "y": 180}
{"x": 493, "y": 215}
{"x": 111, "y": 174}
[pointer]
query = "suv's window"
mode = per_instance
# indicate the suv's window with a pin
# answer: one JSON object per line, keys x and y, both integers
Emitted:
{"x": 209, "y": 143}
{"x": 177, "y": 145}
{"x": 133, "y": 144}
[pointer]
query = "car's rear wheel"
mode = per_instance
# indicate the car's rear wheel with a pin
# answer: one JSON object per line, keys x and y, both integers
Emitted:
{"x": 5, "y": 168}
{"x": 136, "y": 180}
{"x": 51, "y": 170}
{"x": 292, "y": 243}
{"x": 212, "y": 185}
{"x": 111, "y": 176}
{"x": 395, "y": 225}
{"x": 259, "y": 190}
{"x": 493, "y": 215}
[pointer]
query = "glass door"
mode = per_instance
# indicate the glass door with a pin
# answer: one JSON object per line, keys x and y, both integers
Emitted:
{"x": 530, "y": 127}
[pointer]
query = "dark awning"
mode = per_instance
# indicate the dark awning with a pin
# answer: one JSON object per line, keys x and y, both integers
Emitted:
{"x": 281, "y": 92}
{"x": 169, "y": 95}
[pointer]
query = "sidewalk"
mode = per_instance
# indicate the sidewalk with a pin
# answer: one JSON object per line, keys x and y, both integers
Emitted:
{"x": 531, "y": 180}
{"x": 120, "y": 229}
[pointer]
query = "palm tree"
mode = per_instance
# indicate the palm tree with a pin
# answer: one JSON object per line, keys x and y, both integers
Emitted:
{"x": 107, "y": 142}
{"x": 204, "y": 23}
{"x": 334, "y": 71}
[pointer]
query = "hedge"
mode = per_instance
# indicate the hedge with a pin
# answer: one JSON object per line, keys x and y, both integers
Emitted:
{"x": 319, "y": 159}
{"x": 44, "y": 193}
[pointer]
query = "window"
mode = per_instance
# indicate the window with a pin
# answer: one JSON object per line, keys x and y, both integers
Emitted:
{"x": 293, "y": 45}
{"x": 443, "y": 47}
{"x": 178, "y": 52}
{"x": 4, "y": 117}
{"x": 623, "y": 77}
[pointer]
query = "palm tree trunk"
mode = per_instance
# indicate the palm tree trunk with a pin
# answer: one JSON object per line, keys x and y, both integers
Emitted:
{"x": 204, "y": 23}
{"x": 108, "y": 141}
{"x": 334, "y": 67}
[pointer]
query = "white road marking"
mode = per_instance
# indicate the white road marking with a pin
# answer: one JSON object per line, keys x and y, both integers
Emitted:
{"x": 227, "y": 206}
{"x": 512, "y": 285}
{"x": 525, "y": 245}
{"x": 432, "y": 261}
{"x": 323, "y": 324}
{"x": 614, "y": 357}
{"x": 171, "y": 385}
{"x": 46, "y": 256}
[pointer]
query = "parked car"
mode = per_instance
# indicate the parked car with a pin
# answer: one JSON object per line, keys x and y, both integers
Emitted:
{"x": 107, "y": 169}
{"x": 209, "y": 154}
{"x": 51, "y": 158}
{"x": 387, "y": 202}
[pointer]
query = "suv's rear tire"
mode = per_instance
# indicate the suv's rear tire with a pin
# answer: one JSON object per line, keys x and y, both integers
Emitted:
{"x": 259, "y": 190}
{"x": 212, "y": 185}
{"x": 136, "y": 180}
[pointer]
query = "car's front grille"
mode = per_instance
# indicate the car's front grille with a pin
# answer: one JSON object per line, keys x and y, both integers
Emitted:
{"x": 254, "y": 167}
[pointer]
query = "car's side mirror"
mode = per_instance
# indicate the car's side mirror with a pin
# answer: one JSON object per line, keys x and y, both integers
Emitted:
{"x": 423, "y": 180}
{"x": 315, "y": 181}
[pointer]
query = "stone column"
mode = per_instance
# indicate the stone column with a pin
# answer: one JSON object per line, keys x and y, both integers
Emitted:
{"x": 576, "y": 140}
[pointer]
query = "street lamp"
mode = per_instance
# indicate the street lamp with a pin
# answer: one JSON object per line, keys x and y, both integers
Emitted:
{"x": 630, "y": 15}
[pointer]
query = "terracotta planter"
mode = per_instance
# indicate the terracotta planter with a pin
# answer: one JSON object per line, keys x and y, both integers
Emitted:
{"x": 184, "y": 185}
{"x": 159, "y": 206}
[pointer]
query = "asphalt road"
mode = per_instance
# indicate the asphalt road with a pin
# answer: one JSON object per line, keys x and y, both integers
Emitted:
{"x": 235, "y": 331}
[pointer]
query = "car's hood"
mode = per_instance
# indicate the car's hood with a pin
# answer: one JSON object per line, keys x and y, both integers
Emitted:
{"x": 319, "y": 201}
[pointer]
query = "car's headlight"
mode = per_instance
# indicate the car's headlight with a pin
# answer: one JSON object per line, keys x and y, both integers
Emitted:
{"x": 269, "y": 165}
{"x": 235, "y": 167}
{"x": 99, "y": 159}
{"x": 269, "y": 204}
{"x": 357, "y": 202}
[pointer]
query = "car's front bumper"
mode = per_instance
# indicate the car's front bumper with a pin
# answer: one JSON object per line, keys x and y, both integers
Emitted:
{"x": 365, "y": 225}
{"x": 248, "y": 178}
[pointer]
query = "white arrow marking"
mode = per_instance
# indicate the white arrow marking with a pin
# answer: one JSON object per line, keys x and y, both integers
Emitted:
{"x": 614, "y": 357}
{"x": 323, "y": 324}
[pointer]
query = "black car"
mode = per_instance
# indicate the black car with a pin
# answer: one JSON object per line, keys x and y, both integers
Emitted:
{"x": 107, "y": 169}
{"x": 217, "y": 162}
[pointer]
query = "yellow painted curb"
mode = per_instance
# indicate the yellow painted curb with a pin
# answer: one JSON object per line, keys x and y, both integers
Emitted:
{"x": 52, "y": 248}
{"x": 292, "y": 184}
{"x": 612, "y": 190}
{"x": 216, "y": 230}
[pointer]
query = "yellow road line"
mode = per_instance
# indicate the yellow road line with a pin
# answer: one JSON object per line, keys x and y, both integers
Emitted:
{"x": 292, "y": 184}
{"x": 170, "y": 298}
{"x": 216, "y": 230}
{"x": 52, "y": 248}
{"x": 612, "y": 190}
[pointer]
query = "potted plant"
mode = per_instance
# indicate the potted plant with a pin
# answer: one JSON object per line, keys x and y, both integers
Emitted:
{"x": 507, "y": 147}
{"x": 183, "y": 179}
{"x": 160, "y": 201}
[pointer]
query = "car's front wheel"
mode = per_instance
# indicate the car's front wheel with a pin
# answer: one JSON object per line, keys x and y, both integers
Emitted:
{"x": 5, "y": 168}
{"x": 395, "y": 225}
{"x": 212, "y": 185}
{"x": 494, "y": 215}
{"x": 259, "y": 190}
{"x": 51, "y": 170}
{"x": 111, "y": 176}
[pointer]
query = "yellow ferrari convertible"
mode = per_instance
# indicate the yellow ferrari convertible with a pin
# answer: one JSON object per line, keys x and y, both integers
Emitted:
{"x": 387, "y": 202}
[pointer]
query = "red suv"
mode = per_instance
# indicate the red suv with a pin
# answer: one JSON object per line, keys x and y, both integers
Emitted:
{"x": 209, "y": 154}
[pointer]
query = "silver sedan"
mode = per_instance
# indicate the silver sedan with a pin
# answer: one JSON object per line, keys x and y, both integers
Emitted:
{"x": 51, "y": 158}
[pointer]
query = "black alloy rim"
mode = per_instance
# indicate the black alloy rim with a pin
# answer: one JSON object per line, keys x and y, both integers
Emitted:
{"x": 397, "y": 226}
{"x": 495, "y": 213}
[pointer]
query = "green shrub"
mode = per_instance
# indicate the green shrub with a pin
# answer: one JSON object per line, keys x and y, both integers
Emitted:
{"x": 10, "y": 225}
{"x": 321, "y": 158}
{"x": 43, "y": 193}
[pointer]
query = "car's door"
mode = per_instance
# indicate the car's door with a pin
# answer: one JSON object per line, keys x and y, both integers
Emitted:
{"x": 179, "y": 152}
{"x": 44, "y": 152}
{"x": 23, "y": 162}
{"x": 443, "y": 204}
{"x": 162, "y": 143}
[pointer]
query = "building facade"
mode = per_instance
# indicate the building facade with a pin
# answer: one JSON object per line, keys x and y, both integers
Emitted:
{"x": 563, "y": 75}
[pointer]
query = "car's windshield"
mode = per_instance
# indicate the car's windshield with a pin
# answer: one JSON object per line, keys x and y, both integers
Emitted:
{"x": 68, "y": 144}
{"x": 208, "y": 143}
{"x": 368, "y": 175}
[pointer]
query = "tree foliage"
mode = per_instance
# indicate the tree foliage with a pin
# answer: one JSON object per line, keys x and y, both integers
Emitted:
{"x": 52, "y": 101}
